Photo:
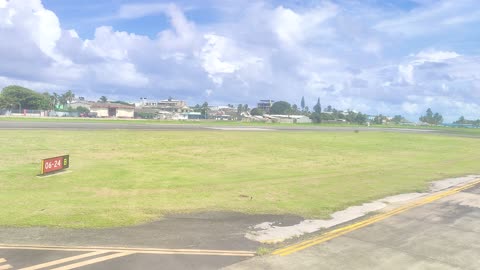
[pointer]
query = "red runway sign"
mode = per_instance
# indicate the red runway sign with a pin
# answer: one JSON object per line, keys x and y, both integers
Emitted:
{"x": 55, "y": 164}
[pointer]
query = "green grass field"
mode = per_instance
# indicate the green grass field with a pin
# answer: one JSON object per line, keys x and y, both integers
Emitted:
{"x": 128, "y": 177}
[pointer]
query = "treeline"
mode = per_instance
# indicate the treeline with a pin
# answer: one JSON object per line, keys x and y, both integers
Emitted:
{"x": 318, "y": 115}
{"x": 17, "y": 97}
{"x": 463, "y": 121}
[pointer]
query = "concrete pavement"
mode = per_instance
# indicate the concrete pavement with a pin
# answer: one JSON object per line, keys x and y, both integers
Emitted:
{"x": 443, "y": 234}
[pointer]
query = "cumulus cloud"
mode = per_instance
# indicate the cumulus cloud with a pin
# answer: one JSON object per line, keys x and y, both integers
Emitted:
{"x": 351, "y": 55}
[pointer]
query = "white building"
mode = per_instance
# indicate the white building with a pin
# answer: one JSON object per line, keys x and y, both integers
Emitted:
{"x": 115, "y": 110}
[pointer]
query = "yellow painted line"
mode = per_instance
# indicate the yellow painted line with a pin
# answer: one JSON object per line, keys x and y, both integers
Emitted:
{"x": 349, "y": 228}
{"x": 2, "y": 260}
{"x": 5, "y": 267}
{"x": 64, "y": 260}
{"x": 238, "y": 253}
{"x": 92, "y": 261}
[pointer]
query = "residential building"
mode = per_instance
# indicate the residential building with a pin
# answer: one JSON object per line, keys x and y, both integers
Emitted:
{"x": 109, "y": 109}
{"x": 280, "y": 118}
{"x": 265, "y": 105}
{"x": 169, "y": 105}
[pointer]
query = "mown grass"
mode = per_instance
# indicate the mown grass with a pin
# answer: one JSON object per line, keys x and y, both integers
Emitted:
{"x": 169, "y": 122}
{"x": 125, "y": 177}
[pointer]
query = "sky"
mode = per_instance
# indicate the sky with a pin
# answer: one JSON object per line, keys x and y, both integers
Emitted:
{"x": 373, "y": 56}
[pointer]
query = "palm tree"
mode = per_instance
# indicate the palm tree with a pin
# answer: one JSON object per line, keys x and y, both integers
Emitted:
{"x": 103, "y": 99}
{"x": 69, "y": 96}
{"x": 56, "y": 99}
{"x": 62, "y": 100}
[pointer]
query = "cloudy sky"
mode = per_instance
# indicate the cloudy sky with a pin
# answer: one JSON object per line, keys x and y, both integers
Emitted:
{"x": 374, "y": 56}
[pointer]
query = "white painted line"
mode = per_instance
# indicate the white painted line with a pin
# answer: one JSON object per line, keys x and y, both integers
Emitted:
{"x": 5, "y": 267}
{"x": 241, "y": 129}
{"x": 64, "y": 260}
{"x": 92, "y": 261}
{"x": 136, "y": 250}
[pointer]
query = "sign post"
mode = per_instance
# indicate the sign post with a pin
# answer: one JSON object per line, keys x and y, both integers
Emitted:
{"x": 55, "y": 164}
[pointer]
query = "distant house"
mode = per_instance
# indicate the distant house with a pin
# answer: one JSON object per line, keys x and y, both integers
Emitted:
{"x": 108, "y": 109}
{"x": 265, "y": 105}
{"x": 81, "y": 103}
{"x": 169, "y": 105}
{"x": 279, "y": 118}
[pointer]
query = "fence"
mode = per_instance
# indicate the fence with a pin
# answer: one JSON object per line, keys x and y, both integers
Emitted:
{"x": 37, "y": 113}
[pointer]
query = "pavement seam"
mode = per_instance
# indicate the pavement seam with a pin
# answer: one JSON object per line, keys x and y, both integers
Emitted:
{"x": 352, "y": 227}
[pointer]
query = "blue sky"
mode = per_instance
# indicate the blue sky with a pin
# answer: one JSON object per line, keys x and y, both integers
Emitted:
{"x": 390, "y": 57}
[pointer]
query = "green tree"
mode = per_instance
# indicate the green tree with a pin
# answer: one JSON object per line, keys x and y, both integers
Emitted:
{"x": 397, "y": 119}
{"x": 437, "y": 119}
{"x": 103, "y": 99}
{"x": 302, "y": 104}
{"x": 51, "y": 100}
{"x": 15, "y": 96}
{"x": 205, "y": 110}
{"x": 361, "y": 118}
{"x": 318, "y": 107}
{"x": 280, "y": 107}
{"x": 81, "y": 109}
{"x": 431, "y": 118}
{"x": 316, "y": 117}
{"x": 256, "y": 111}
{"x": 379, "y": 119}
{"x": 69, "y": 96}
{"x": 56, "y": 99}
{"x": 295, "y": 109}
{"x": 460, "y": 120}
{"x": 62, "y": 101}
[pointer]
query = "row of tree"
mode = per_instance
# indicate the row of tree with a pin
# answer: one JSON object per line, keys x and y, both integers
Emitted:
{"x": 431, "y": 118}
{"x": 463, "y": 121}
{"x": 18, "y": 97}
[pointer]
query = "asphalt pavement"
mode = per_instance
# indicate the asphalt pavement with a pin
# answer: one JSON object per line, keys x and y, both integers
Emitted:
{"x": 99, "y": 125}
{"x": 443, "y": 234}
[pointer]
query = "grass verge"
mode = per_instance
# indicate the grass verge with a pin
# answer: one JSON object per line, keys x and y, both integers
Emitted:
{"x": 125, "y": 177}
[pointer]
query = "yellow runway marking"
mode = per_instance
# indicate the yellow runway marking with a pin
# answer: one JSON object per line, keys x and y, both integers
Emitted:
{"x": 349, "y": 228}
{"x": 92, "y": 261}
{"x": 64, "y": 260}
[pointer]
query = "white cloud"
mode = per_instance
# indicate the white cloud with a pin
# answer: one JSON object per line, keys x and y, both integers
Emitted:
{"x": 434, "y": 56}
{"x": 132, "y": 11}
{"x": 405, "y": 73}
{"x": 292, "y": 28}
{"x": 220, "y": 57}
{"x": 350, "y": 55}
{"x": 410, "y": 108}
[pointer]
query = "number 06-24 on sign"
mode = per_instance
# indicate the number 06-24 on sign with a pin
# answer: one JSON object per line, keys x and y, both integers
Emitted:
{"x": 55, "y": 164}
